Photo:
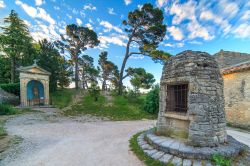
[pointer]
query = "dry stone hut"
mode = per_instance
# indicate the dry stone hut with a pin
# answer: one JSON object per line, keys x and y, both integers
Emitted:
{"x": 191, "y": 100}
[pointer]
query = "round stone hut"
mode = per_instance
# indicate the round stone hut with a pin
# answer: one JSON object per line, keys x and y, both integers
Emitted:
{"x": 191, "y": 100}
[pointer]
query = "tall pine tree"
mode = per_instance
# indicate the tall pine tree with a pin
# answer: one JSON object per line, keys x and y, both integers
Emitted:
{"x": 16, "y": 43}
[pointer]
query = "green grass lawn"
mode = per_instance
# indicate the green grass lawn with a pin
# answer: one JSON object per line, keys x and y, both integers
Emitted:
{"x": 62, "y": 98}
{"x": 120, "y": 109}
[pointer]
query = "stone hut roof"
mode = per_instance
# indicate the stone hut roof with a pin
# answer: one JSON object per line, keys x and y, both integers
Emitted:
{"x": 236, "y": 68}
{"x": 227, "y": 59}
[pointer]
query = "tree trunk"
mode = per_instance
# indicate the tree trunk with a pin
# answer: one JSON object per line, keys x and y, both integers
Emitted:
{"x": 76, "y": 73}
{"x": 104, "y": 85}
{"x": 123, "y": 67}
{"x": 13, "y": 69}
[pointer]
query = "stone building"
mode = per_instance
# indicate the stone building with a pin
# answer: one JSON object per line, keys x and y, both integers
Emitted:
{"x": 191, "y": 100}
{"x": 34, "y": 86}
{"x": 235, "y": 68}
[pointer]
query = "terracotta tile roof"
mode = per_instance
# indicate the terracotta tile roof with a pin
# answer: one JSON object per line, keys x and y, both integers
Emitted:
{"x": 236, "y": 68}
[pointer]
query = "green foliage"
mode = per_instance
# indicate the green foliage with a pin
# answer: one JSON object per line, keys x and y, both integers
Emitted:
{"x": 140, "y": 78}
{"x": 120, "y": 108}
{"x": 145, "y": 28}
{"x": 62, "y": 98}
{"x": 7, "y": 109}
{"x": 94, "y": 91}
{"x": 50, "y": 60}
{"x": 109, "y": 71}
{"x": 16, "y": 43}
{"x": 88, "y": 72}
{"x": 4, "y": 70}
{"x": 3, "y": 132}
{"x": 11, "y": 88}
{"x": 133, "y": 144}
{"x": 151, "y": 104}
{"x": 77, "y": 41}
{"x": 220, "y": 160}
{"x": 159, "y": 56}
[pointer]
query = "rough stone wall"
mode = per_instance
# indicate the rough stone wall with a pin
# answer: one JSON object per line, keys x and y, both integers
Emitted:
{"x": 205, "y": 115}
{"x": 237, "y": 98}
{"x": 228, "y": 58}
{"x": 9, "y": 98}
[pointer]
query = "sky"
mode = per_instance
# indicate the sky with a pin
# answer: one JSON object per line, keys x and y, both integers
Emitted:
{"x": 201, "y": 25}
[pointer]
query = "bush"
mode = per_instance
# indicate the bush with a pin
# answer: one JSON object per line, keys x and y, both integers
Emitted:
{"x": 13, "y": 88}
{"x": 151, "y": 104}
{"x": 6, "y": 109}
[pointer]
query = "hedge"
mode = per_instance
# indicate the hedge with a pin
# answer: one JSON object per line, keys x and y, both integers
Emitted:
{"x": 13, "y": 88}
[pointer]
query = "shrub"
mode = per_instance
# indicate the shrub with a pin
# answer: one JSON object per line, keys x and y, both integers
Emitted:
{"x": 13, "y": 88}
{"x": 151, "y": 104}
{"x": 6, "y": 109}
{"x": 220, "y": 160}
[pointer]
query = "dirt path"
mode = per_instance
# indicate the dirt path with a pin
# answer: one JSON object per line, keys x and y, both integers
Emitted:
{"x": 51, "y": 140}
{"x": 88, "y": 141}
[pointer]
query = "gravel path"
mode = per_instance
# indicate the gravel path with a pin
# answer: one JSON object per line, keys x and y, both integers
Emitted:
{"x": 89, "y": 141}
{"x": 50, "y": 140}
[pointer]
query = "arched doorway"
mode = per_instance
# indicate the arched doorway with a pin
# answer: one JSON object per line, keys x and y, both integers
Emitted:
{"x": 35, "y": 93}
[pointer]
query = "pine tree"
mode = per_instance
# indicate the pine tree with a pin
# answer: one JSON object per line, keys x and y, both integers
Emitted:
{"x": 16, "y": 43}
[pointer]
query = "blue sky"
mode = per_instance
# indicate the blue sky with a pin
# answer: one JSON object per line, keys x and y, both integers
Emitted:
{"x": 208, "y": 25}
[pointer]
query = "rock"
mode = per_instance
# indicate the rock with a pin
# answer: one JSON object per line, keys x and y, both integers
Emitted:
{"x": 166, "y": 158}
{"x": 177, "y": 161}
{"x": 186, "y": 162}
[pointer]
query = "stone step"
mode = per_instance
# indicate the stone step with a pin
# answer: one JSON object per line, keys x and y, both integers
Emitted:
{"x": 166, "y": 157}
{"x": 179, "y": 148}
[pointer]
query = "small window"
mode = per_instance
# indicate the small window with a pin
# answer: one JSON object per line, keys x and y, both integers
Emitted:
{"x": 177, "y": 98}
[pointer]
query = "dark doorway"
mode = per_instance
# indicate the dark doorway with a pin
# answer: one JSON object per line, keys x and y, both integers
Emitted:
{"x": 177, "y": 98}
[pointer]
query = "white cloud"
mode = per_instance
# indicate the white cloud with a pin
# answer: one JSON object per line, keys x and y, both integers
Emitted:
{"x": 78, "y": 21}
{"x": 229, "y": 9}
{"x": 89, "y": 7}
{"x": 115, "y": 39}
{"x": 75, "y": 11}
{"x": 69, "y": 16}
{"x": 110, "y": 27}
{"x": 2, "y": 4}
{"x": 36, "y": 12}
{"x": 89, "y": 26}
{"x": 182, "y": 12}
{"x": 246, "y": 15}
{"x": 111, "y": 11}
{"x": 160, "y": 3}
{"x": 176, "y": 33}
{"x": 195, "y": 42}
{"x": 181, "y": 44}
{"x": 242, "y": 31}
{"x": 196, "y": 31}
{"x": 56, "y": 7}
{"x": 224, "y": 24}
{"x": 127, "y": 2}
{"x": 39, "y": 2}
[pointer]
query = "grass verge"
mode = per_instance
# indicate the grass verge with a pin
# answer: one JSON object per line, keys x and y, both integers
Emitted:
{"x": 120, "y": 108}
{"x": 134, "y": 146}
{"x": 62, "y": 98}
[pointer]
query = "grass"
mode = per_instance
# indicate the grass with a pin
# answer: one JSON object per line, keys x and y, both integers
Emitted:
{"x": 220, "y": 160}
{"x": 3, "y": 132}
{"x": 121, "y": 108}
{"x": 133, "y": 144}
{"x": 62, "y": 98}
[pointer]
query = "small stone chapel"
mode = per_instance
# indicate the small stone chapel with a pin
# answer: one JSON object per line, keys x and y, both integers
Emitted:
{"x": 34, "y": 86}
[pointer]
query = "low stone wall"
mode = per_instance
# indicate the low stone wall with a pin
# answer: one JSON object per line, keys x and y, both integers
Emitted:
{"x": 237, "y": 98}
{"x": 9, "y": 98}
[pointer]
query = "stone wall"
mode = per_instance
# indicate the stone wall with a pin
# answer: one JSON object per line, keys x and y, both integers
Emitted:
{"x": 9, "y": 98}
{"x": 205, "y": 119}
{"x": 237, "y": 98}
